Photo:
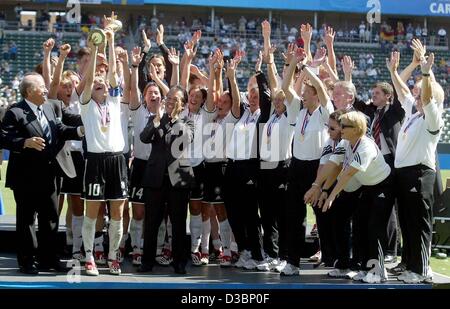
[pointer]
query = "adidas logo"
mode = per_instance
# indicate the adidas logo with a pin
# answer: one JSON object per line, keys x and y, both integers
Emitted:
{"x": 413, "y": 189}
{"x": 382, "y": 195}
{"x": 218, "y": 198}
{"x": 281, "y": 186}
{"x": 250, "y": 182}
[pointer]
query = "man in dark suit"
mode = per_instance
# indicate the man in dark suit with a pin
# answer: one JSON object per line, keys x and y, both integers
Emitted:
{"x": 167, "y": 179}
{"x": 33, "y": 134}
{"x": 386, "y": 114}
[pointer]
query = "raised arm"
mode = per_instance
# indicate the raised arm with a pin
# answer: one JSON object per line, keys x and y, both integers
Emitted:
{"x": 64, "y": 50}
{"x": 46, "y": 66}
{"x": 419, "y": 53}
{"x": 347, "y": 66}
{"x": 329, "y": 42}
{"x": 231, "y": 75}
{"x": 400, "y": 87}
{"x": 89, "y": 77}
{"x": 210, "y": 92}
{"x": 315, "y": 80}
{"x": 306, "y": 34}
{"x": 425, "y": 67}
{"x": 142, "y": 77}
{"x": 123, "y": 58}
{"x": 164, "y": 50}
{"x": 135, "y": 95}
{"x": 189, "y": 53}
{"x": 194, "y": 70}
{"x": 289, "y": 73}
{"x": 112, "y": 69}
{"x": 154, "y": 76}
{"x": 174, "y": 59}
{"x": 218, "y": 72}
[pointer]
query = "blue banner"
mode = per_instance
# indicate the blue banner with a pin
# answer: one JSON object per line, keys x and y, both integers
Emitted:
{"x": 387, "y": 7}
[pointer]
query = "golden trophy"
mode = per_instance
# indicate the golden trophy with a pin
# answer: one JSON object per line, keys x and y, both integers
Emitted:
{"x": 97, "y": 36}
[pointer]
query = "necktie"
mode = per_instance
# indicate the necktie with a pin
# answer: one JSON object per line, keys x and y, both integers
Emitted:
{"x": 44, "y": 124}
{"x": 377, "y": 127}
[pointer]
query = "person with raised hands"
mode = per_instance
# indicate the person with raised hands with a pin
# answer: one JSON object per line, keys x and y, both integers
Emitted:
{"x": 329, "y": 43}
{"x": 415, "y": 166}
{"x": 306, "y": 35}
{"x": 309, "y": 139}
{"x": 105, "y": 177}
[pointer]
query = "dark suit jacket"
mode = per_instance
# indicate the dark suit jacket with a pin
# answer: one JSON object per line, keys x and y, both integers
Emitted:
{"x": 390, "y": 123}
{"x": 29, "y": 168}
{"x": 168, "y": 135}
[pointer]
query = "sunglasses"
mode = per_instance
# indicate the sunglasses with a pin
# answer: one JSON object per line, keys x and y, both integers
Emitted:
{"x": 343, "y": 126}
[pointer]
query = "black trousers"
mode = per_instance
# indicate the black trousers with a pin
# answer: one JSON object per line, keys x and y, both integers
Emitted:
{"x": 393, "y": 233}
{"x": 43, "y": 204}
{"x": 272, "y": 184}
{"x": 301, "y": 175}
{"x": 415, "y": 203}
{"x": 372, "y": 216}
{"x": 156, "y": 202}
{"x": 342, "y": 212}
{"x": 241, "y": 203}
{"x": 324, "y": 222}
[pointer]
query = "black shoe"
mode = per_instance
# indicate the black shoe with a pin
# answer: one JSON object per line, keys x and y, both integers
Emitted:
{"x": 29, "y": 269}
{"x": 179, "y": 269}
{"x": 58, "y": 266}
{"x": 145, "y": 268}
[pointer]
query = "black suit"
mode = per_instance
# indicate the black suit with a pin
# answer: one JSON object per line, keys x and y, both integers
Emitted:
{"x": 390, "y": 127}
{"x": 31, "y": 175}
{"x": 167, "y": 180}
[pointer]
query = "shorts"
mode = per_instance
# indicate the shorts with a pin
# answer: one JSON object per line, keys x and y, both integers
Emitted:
{"x": 74, "y": 186}
{"x": 216, "y": 179}
{"x": 105, "y": 177}
{"x": 197, "y": 190}
{"x": 135, "y": 189}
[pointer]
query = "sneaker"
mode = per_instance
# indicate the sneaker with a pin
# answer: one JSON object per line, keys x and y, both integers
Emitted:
{"x": 397, "y": 270}
{"x": 225, "y": 261}
{"x": 137, "y": 259}
{"x": 388, "y": 259}
{"x": 252, "y": 264}
{"x": 205, "y": 259}
{"x": 316, "y": 257}
{"x": 403, "y": 275}
{"x": 99, "y": 258}
{"x": 165, "y": 258}
{"x": 373, "y": 278}
{"x": 79, "y": 256}
{"x": 358, "y": 276}
{"x": 120, "y": 255}
{"x": 234, "y": 257}
{"x": 290, "y": 270}
{"x": 414, "y": 278}
{"x": 196, "y": 258}
{"x": 281, "y": 264}
{"x": 269, "y": 264}
{"x": 339, "y": 273}
{"x": 91, "y": 268}
{"x": 114, "y": 267}
{"x": 314, "y": 231}
{"x": 243, "y": 257}
{"x": 216, "y": 255}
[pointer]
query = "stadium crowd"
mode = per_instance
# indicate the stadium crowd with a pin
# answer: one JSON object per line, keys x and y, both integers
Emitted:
{"x": 247, "y": 164}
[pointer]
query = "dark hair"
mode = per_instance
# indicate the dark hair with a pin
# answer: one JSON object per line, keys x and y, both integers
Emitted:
{"x": 82, "y": 52}
{"x": 157, "y": 56}
{"x": 183, "y": 91}
{"x": 337, "y": 114}
{"x": 202, "y": 90}
{"x": 151, "y": 84}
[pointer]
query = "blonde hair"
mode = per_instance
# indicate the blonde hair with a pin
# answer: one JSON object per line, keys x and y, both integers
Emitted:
{"x": 356, "y": 119}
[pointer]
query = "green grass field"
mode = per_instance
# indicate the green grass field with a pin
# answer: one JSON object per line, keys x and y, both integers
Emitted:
{"x": 440, "y": 266}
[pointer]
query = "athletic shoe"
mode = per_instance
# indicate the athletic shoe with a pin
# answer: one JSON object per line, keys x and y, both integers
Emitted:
{"x": 375, "y": 278}
{"x": 78, "y": 256}
{"x": 205, "y": 259}
{"x": 403, "y": 275}
{"x": 290, "y": 270}
{"x": 252, "y": 264}
{"x": 196, "y": 258}
{"x": 165, "y": 258}
{"x": 358, "y": 276}
{"x": 114, "y": 267}
{"x": 243, "y": 257}
{"x": 281, "y": 264}
{"x": 91, "y": 269}
{"x": 99, "y": 257}
{"x": 414, "y": 278}
{"x": 397, "y": 270}
{"x": 121, "y": 255}
{"x": 234, "y": 257}
{"x": 316, "y": 257}
{"x": 339, "y": 273}
{"x": 216, "y": 255}
{"x": 137, "y": 259}
{"x": 268, "y": 264}
{"x": 225, "y": 261}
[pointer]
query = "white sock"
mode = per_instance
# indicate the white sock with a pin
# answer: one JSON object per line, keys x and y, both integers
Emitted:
{"x": 206, "y": 233}
{"x": 195, "y": 225}
{"x": 217, "y": 243}
{"x": 225, "y": 235}
{"x": 234, "y": 246}
{"x": 88, "y": 232}
{"x": 136, "y": 234}
{"x": 115, "y": 232}
{"x": 161, "y": 237}
{"x": 77, "y": 226}
{"x": 98, "y": 243}
{"x": 123, "y": 240}
{"x": 69, "y": 235}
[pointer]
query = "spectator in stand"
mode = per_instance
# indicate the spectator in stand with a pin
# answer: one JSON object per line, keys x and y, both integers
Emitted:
{"x": 362, "y": 31}
{"x": 418, "y": 31}
{"x": 400, "y": 31}
{"x": 442, "y": 34}
{"x": 424, "y": 32}
{"x": 154, "y": 21}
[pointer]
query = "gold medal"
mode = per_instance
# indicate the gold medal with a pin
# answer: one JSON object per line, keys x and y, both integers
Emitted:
{"x": 302, "y": 137}
{"x": 104, "y": 129}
